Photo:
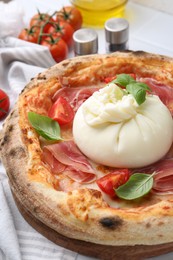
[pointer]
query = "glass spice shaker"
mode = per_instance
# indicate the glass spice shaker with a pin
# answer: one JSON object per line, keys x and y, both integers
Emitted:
{"x": 85, "y": 42}
{"x": 117, "y": 34}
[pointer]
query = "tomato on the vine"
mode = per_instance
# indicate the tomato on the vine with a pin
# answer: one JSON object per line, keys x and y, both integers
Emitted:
{"x": 63, "y": 30}
{"x": 112, "y": 181}
{"x": 70, "y": 15}
{"x": 61, "y": 111}
{"x": 57, "y": 47}
{"x": 29, "y": 35}
{"x": 4, "y": 103}
{"x": 42, "y": 19}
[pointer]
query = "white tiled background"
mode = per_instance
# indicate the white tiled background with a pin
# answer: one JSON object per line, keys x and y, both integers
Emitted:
{"x": 162, "y": 5}
{"x": 151, "y": 29}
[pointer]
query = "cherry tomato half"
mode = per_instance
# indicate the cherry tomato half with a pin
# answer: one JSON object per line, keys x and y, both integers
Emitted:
{"x": 71, "y": 15}
{"x": 4, "y": 103}
{"x": 61, "y": 111}
{"x": 112, "y": 181}
{"x": 57, "y": 47}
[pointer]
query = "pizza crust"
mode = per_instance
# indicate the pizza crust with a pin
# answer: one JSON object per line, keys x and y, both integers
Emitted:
{"x": 82, "y": 214}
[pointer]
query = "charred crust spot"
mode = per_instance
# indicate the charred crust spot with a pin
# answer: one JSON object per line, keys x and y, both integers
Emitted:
{"x": 12, "y": 152}
{"x": 160, "y": 223}
{"x": 5, "y": 140}
{"x": 12, "y": 113}
{"x": 10, "y": 128}
{"x": 17, "y": 152}
{"x": 139, "y": 53}
{"x": 160, "y": 235}
{"x": 36, "y": 209}
{"x": 148, "y": 225}
{"x": 22, "y": 90}
{"x": 65, "y": 64}
{"x": 42, "y": 77}
{"x": 2, "y": 144}
{"x": 111, "y": 223}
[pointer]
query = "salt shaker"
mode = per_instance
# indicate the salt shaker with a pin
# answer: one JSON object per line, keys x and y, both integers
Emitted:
{"x": 85, "y": 41}
{"x": 117, "y": 34}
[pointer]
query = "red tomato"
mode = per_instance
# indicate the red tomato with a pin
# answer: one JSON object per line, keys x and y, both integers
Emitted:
{"x": 42, "y": 19}
{"x": 29, "y": 35}
{"x": 113, "y": 180}
{"x": 71, "y": 15}
{"x": 61, "y": 111}
{"x": 57, "y": 47}
{"x": 4, "y": 103}
{"x": 63, "y": 30}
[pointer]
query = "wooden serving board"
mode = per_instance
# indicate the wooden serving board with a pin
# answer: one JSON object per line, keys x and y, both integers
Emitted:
{"x": 94, "y": 250}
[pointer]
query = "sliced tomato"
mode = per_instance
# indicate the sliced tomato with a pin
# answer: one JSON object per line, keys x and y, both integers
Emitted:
{"x": 61, "y": 111}
{"x": 112, "y": 181}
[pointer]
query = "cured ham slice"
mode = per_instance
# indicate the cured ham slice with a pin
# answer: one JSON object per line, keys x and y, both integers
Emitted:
{"x": 163, "y": 177}
{"x": 66, "y": 157}
{"x": 163, "y": 180}
{"x": 75, "y": 96}
{"x": 164, "y": 92}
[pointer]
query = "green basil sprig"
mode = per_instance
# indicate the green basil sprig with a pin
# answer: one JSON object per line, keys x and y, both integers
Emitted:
{"x": 138, "y": 185}
{"x": 45, "y": 126}
{"x": 137, "y": 89}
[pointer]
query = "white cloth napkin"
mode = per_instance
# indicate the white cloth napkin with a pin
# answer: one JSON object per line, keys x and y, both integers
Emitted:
{"x": 11, "y": 19}
{"x": 19, "y": 62}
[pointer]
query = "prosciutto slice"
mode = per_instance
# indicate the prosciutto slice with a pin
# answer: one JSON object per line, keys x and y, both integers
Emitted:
{"x": 164, "y": 92}
{"x": 75, "y": 96}
{"x": 66, "y": 157}
{"x": 163, "y": 180}
{"x": 163, "y": 177}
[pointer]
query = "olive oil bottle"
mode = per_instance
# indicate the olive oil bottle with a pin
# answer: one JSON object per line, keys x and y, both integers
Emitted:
{"x": 96, "y": 12}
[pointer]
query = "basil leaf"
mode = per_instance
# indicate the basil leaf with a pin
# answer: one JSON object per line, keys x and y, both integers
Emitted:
{"x": 123, "y": 80}
{"x": 143, "y": 86}
{"x": 45, "y": 126}
{"x": 138, "y": 92}
{"x": 137, "y": 186}
{"x": 137, "y": 89}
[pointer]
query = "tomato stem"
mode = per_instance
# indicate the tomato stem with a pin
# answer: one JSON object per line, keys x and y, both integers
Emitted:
{"x": 42, "y": 28}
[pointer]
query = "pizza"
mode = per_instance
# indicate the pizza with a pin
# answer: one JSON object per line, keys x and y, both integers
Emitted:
{"x": 88, "y": 152}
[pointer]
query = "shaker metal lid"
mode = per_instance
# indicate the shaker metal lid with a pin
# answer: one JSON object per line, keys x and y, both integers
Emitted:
{"x": 85, "y": 41}
{"x": 117, "y": 30}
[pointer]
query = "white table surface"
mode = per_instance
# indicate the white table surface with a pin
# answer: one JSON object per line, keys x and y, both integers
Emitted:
{"x": 150, "y": 30}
